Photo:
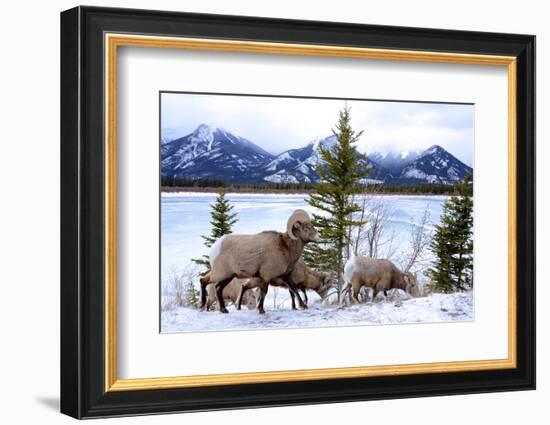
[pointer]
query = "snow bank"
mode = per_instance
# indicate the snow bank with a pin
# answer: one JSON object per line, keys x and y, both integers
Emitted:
{"x": 432, "y": 309}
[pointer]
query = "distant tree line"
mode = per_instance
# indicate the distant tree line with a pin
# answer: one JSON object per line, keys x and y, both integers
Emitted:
{"x": 432, "y": 189}
{"x": 219, "y": 183}
{"x": 189, "y": 182}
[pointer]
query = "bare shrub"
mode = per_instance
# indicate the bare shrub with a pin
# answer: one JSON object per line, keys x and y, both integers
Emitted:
{"x": 373, "y": 238}
{"x": 179, "y": 290}
{"x": 420, "y": 237}
{"x": 416, "y": 258}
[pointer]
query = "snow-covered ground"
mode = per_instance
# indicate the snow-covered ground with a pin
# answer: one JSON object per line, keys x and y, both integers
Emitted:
{"x": 430, "y": 309}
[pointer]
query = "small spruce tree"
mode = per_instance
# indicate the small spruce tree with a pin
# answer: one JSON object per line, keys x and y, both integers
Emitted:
{"x": 222, "y": 223}
{"x": 341, "y": 171}
{"x": 452, "y": 244}
{"x": 191, "y": 294}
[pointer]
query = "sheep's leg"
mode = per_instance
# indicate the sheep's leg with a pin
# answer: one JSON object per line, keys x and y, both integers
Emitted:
{"x": 293, "y": 298}
{"x": 300, "y": 301}
{"x": 240, "y": 297}
{"x": 251, "y": 283}
{"x": 263, "y": 292}
{"x": 356, "y": 285}
{"x": 305, "y": 295}
{"x": 354, "y": 293}
{"x": 345, "y": 292}
{"x": 203, "y": 296}
{"x": 293, "y": 295}
{"x": 362, "y": 294}
{"x": 219, "y": 294}
{"x": 294, "y": 288}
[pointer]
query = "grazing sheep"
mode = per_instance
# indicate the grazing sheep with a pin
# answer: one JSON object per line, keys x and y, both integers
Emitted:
{"x": 306, "y": 278}
{"x": 260, "y": 257}
{"x": 231, "y": 293}
{"x": 377, "y": 274}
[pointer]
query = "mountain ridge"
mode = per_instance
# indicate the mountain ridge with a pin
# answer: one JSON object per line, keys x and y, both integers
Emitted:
{"x": 211, "y": 152}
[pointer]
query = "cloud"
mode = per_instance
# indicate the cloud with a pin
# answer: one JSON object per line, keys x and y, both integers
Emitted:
{"x": 277, "y": 124}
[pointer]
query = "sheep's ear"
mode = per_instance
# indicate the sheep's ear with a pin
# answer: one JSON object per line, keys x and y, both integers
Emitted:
{"x": 406, "y": 278}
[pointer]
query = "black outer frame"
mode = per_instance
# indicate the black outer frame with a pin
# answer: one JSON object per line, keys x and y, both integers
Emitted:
{"x": 82, "y": 218}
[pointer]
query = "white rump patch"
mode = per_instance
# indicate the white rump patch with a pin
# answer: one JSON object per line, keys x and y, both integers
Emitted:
{"x": 215, "y": 250}
{"x": 349, "y": 269}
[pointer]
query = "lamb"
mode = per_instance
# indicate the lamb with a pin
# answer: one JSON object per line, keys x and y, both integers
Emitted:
{"x": 378, "y": 274}
{"x": 261, "y": 258}
{"x": 231, "y": 292}
{"x": 306, "y": 278}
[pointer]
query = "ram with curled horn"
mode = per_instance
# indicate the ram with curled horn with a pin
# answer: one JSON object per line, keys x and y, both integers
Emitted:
{"x": 261, "y": 258}
{"x": 297, "y": 217}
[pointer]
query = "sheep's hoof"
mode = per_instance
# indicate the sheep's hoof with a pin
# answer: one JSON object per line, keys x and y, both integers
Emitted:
{"x": 262, "y": 311}
{"x": 304, "y": 306}
{"x": 223, "y": 310}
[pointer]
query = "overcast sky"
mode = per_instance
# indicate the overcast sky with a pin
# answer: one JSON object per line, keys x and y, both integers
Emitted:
{"x": 278, "y": 124}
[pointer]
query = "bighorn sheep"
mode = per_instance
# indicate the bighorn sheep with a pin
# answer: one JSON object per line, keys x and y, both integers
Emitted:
{"x": 231, "y": 292}
{"x": 378, "y": 274}
{"x": 306, "y": 278}
{"x": 261, "y": 257}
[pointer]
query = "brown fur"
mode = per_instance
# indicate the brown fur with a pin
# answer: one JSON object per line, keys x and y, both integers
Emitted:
{"x": 261, "y": 257}
{"x": 306, "y": 278}
{"x": 231, "y": 293}
{"x": 380, "y": 275}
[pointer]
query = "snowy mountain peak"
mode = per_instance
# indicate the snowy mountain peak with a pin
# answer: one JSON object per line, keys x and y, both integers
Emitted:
{"x": 326, "y": 141}
{"x": 393, "y": 159}
{"x": 405, "y": 154}
{"x": 207, "y": 131}
{"x": 210, "y": 152}
{"x": 204, "y": 133}
{"x": 433, "y": 149}
{"x": 204, "y": 129}
{"x": 436, "y": 166}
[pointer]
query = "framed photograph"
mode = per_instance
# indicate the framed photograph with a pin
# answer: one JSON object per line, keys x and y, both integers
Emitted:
{"x": 261, "y": 212}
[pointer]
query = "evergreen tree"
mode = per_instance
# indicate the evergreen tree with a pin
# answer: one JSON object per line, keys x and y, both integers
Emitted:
{"x": 341, "y": 170}
{"x": 452, "y": 245}
{"x": 191, "y": 294}
{"x": 222, "y": 222}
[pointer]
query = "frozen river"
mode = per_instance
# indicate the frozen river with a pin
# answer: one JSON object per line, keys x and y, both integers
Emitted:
{"x": 186, "y": 216}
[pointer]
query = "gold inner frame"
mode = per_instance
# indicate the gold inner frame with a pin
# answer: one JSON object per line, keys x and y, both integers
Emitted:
{"x": 113, "y": 41}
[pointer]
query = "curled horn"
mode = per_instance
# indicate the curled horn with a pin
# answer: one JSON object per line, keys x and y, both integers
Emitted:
{"x": 297, "y": 216}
